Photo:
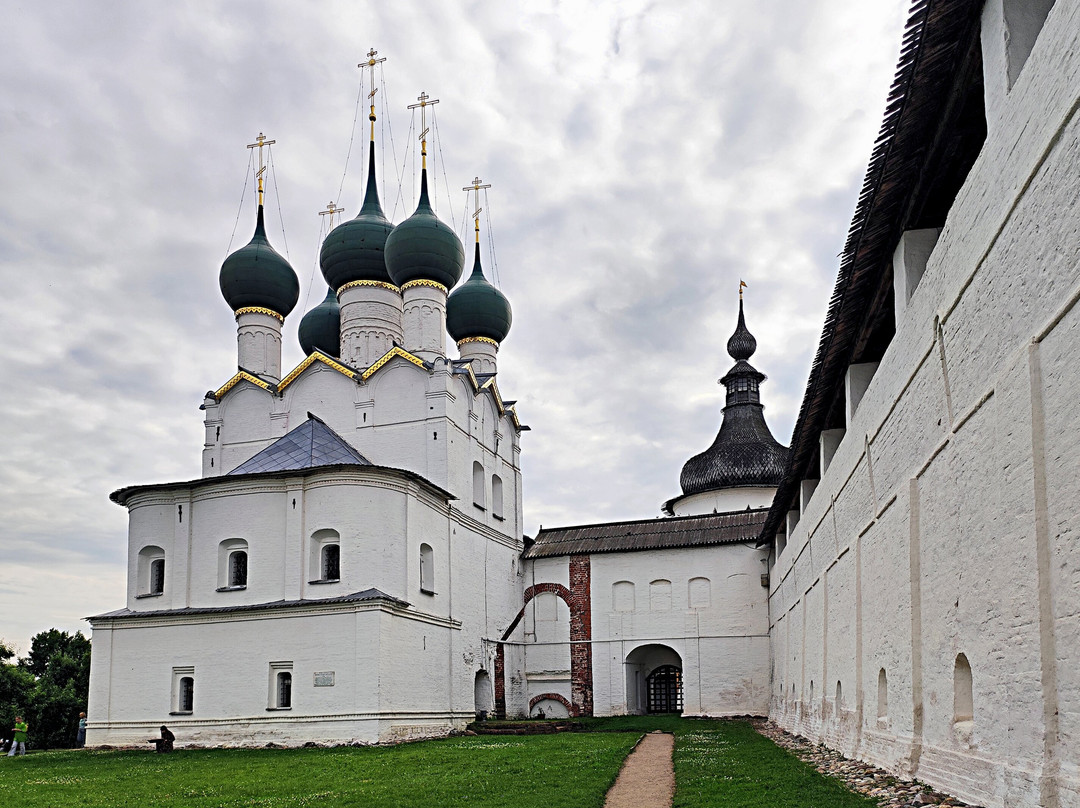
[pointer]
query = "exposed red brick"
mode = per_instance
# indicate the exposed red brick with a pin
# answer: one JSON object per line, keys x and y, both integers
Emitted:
{"x": 500, "y": 682}
{"x": 554, "y": 697}
{"x": 580, "y": 602}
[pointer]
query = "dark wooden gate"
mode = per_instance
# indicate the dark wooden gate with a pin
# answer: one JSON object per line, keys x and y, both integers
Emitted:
{"x": 665, "y": 690}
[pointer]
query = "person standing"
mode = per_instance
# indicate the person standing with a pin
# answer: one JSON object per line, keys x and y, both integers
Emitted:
{"x": 80, "y": 738}
{"x": 18, "y": 741}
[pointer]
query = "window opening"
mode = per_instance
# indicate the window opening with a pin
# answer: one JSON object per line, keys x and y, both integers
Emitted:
{"x": 238, "y": 568}
{"x": 427, "y": 569}
{"x": 284, "y": 689}
{"x": 963, "y": 702}
{"x": 157, "y": 576}
{"x": 331, "y": 562}
{"x": 186, "y": 701}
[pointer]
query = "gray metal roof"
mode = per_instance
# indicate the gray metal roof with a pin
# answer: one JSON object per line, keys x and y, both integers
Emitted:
{"x": 649, "y": 534}
{"x": 311, "y": 444}
{"x": 355, "y": 597}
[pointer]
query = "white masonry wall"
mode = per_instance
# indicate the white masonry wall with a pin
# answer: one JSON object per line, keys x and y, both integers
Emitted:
{"x": 945, "y": 523}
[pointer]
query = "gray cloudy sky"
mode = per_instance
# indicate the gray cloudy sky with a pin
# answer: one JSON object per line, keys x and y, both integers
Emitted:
{"x": 644, "y": 156}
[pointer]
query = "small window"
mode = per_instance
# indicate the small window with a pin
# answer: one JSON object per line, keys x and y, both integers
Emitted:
{"x": 281, "y": 682}
{"x": 496, "y": 496}
{"x": 150, "y": 570}
{"x": 478, "y": 484}
{"x": 839, "y": 698}
{"x": 324, "y": 558}
{"x": 238, "y": 565}
{"x": 284, "y": 689}
{"x": 183, "y": 695}
{"x": 427, "y": 569}
{"x": 232, "y": 564}
{"x": 963, "y": 701}
{"x": 331, "y": 562}
{"x": 882, "y": 697}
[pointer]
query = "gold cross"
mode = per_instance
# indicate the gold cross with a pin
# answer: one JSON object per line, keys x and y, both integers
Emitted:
{"x": 475, "y": 188}
{"x": 371, "y": 62}
{"x": 425, "y": 101}
{"x": 261, "y": 141}
{"x": 331, "y": 209}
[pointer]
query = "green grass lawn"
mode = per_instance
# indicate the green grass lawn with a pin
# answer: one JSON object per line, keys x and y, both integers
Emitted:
{"x": 717, "y": 763}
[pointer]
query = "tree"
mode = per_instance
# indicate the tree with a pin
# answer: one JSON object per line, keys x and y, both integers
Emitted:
{"x": 16, "y": 685}
{"x": 59, "y": 669}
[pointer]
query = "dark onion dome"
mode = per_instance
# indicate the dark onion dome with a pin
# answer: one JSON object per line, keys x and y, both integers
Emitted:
{"x": 355, "y": 250}
{"x": 320, "y": 328}
{"x": 745, "y": 453}
{"x": 478, "y": 309}
{"x": 741, "y": 344}
{"x": 256, "y": 276}
{"x": 423, "y": 248}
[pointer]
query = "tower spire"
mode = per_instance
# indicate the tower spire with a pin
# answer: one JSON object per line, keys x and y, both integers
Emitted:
{"x": 370, "y": 63}
{"x": 261, "y": 141}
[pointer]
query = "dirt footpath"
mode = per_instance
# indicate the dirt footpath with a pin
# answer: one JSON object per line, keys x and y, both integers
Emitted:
{"x": 647, "y": 777}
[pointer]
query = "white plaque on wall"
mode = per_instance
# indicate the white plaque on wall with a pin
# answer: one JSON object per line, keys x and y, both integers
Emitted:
{"x": 324, "y": 678}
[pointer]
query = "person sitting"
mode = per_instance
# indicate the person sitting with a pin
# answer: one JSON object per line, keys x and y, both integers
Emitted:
{"x": 165, "y": 742}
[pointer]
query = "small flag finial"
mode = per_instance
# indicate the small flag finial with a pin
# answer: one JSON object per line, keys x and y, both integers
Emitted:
{"x": 370, "y": 63}
{"x": 476, "y": 187}
{"x": 742, "y": 285}
{"x": 425, "y": 101}
{"x": 261, "y": 141}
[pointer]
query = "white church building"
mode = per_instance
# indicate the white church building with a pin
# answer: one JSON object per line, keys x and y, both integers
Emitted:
{"x": 903, "y": 584}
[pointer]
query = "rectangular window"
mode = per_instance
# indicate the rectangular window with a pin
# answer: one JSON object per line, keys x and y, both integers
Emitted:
{"x": 183, "y": 690}
{"x": 281, "y": 682}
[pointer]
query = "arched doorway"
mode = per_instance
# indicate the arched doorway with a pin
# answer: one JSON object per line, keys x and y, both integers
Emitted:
{"x": 483, "y": 696}
{"x": 654, "y": 680}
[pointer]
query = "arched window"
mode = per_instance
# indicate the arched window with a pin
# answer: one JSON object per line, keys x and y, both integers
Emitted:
{"x": 324, "y": 560}
{"x": 622, "y": 596}
{"x": 331, "y": 562}
{"x": 151, "y": 571}
{"x": 660, "y": 595}
{"x": 427, "y": 569}
{"x": 963, "y": 701}
{"x": 186, "y": 700}
{"x": 284, "y": 689}
{"x": 496, "y": 496}
{"x": 699, "y": 593}
{"x": 839, "y": 698}
{"x": 232, "y": 564}
{"x": 882, "y": 697}
{"x": 478, "y": 484}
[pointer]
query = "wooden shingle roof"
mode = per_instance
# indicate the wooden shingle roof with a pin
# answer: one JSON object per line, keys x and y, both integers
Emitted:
{"x": 649, "y": 534}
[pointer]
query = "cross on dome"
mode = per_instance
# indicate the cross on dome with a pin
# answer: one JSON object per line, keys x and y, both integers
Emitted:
{"x": 425, "y": 101}
{"x": 370, "y": 63}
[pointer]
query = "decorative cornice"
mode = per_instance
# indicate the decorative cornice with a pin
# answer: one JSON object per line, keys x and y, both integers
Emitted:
{"x": 376, "y": 284}
{"x": 425, "y": 282}
{"x": 315, "y": 356}
{"x": 242, "y": 376}
{"x": 395, "y": 351}
{"x": 485, "y": 340}
{"x": 259, "y": 310}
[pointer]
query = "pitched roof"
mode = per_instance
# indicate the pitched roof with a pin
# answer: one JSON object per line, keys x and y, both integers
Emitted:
{"x": 311, "y": 444}
{"x": 355, "y": 597}
{"x": 937, "y": 39}
{"x": 649, "y": 534}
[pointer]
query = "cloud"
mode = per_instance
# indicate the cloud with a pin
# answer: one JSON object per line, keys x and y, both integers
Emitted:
{"x": 644, "y": 157}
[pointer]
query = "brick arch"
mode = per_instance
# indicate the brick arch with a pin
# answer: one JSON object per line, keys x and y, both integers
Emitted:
{"x": 554, "y": 697}
{"x": 537, "y": 589}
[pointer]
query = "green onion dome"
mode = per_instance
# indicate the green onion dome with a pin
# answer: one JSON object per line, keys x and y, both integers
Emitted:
{"x": 423, "y": 248}
{"x": 256, "y": 276}
{"x": 478, "y": 309}
{"x": 320, "y": 328}
{"x": 354, "y": 250}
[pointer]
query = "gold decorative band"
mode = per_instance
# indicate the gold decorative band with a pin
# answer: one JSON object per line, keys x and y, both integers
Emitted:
{"x": 260, "y": 310}
{"x": 487, "y": 340}
{"x": 424, "y": 282}
{"x": 377, "y": 284}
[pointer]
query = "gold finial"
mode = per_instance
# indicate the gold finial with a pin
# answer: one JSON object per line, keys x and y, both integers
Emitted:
{"x": 425, "y": 102}
{"x": 331, "y": 209}
{"x": 371, "y": 62}
{"x": 261, "y": 141}
{"x": 476, "y": 187}
{"x": 742, "y": 285}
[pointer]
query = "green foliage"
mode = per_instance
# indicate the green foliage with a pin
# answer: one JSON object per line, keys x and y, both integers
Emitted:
{"x": 546, "y": 771}
{"x": 48, "y": 687}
